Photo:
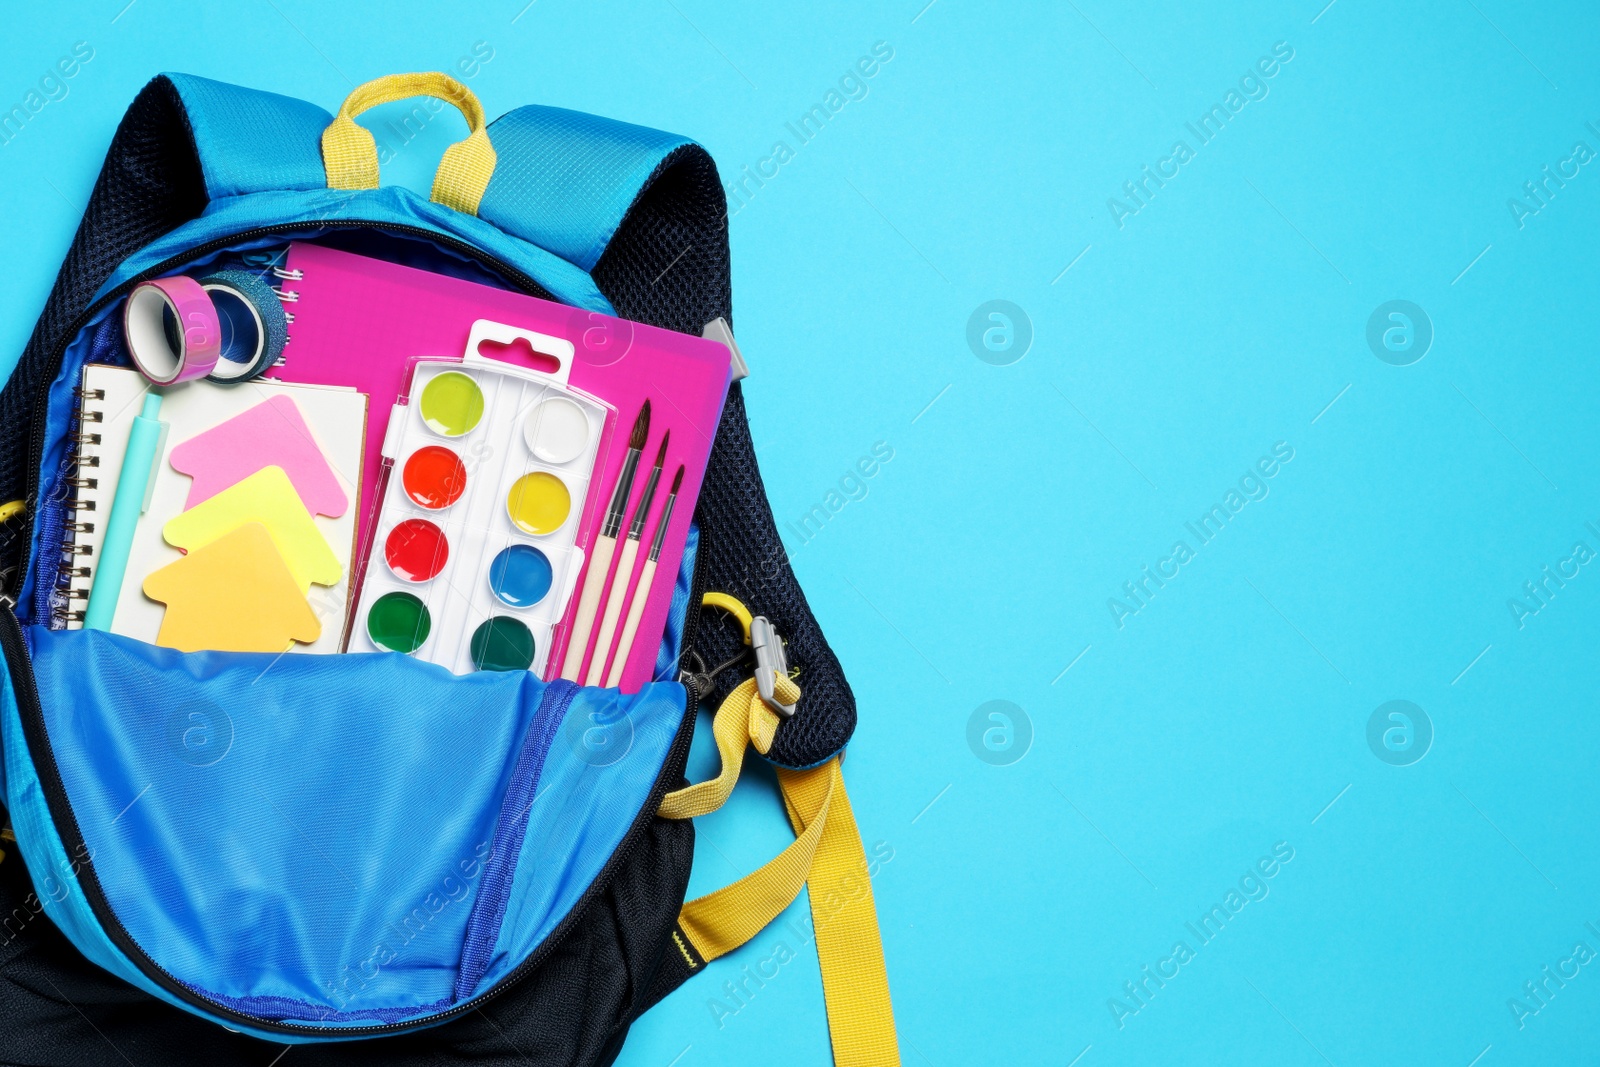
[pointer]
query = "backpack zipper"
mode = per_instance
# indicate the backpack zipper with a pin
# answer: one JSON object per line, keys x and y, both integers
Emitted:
{"x": 19, "y": 662}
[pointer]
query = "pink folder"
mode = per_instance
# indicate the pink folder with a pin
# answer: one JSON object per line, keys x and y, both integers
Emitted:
{"x": 360, "y": 322}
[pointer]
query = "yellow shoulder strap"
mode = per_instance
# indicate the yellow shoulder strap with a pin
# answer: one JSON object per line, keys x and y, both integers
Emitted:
{"x": 826, "y": 855}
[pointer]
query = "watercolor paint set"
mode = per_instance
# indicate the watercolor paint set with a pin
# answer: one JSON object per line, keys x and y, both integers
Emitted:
{"x": 360, "y": 323}
{"x": 474, "y": 550}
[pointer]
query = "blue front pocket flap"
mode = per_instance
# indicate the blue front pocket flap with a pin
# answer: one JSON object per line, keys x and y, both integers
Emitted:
{"x": 306, "y": 837}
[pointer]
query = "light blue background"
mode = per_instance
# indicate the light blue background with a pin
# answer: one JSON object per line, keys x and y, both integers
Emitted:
{"x": 1230, "y": 713}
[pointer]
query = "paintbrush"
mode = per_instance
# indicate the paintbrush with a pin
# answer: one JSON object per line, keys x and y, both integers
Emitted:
{"x": 641, "y": 592}
{"x": 619, "y": 584}
{"x": 594, "y": 580}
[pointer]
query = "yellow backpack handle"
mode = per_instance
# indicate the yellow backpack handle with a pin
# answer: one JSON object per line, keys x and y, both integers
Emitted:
{"x": 350, "y": 155}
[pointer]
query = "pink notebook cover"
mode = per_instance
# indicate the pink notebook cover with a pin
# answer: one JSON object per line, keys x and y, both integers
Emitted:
{"x": 359, "y": 322}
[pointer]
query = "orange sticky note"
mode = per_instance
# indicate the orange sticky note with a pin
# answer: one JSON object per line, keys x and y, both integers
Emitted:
{"x": 235, "y": 594}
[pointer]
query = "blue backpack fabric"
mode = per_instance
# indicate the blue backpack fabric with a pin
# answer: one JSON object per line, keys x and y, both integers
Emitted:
{"x": 360, "y": 846}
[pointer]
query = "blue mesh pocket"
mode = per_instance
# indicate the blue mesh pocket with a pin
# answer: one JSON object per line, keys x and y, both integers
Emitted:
{"x": 340, "y": 840}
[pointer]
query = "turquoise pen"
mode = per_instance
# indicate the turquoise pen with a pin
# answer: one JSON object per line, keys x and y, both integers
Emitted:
{"x": 145, "y": 442}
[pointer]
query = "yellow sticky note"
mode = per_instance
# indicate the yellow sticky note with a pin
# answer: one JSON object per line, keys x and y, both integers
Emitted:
{"x": 235, "y": 594}
{"x": 266, "y": 497}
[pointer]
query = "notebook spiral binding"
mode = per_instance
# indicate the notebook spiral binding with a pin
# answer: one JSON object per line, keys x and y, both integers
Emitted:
{"x": 76, "y": 568}
{"x": 288, "y": 296}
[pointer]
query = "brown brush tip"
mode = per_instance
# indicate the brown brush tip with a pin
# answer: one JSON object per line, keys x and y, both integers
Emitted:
{"x": 677, "y": 480}
{"x": 641, "y": 428}
{"x": 661, "y": 453}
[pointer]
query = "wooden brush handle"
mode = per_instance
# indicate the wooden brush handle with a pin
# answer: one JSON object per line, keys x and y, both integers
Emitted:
{"x": 608, "y": 625}
{"x": 630, "y": 628}
{"x": 594, "y": 584}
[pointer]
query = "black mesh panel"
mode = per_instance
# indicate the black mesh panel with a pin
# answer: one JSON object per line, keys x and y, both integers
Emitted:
{"x": 668, "y": 266}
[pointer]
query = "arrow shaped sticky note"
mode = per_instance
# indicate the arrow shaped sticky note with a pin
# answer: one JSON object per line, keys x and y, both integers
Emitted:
{"x": 235, "y": 594}
{"x": 271, "y": 434}
{"x": 266, "y": 497}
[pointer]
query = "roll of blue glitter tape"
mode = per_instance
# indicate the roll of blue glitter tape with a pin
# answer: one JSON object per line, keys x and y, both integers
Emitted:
{"x": 254, "y": 328}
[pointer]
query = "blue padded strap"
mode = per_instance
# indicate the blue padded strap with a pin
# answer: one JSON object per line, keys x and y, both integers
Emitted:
{"x": 249, "y": 141}
{"x": 564, "y": 179}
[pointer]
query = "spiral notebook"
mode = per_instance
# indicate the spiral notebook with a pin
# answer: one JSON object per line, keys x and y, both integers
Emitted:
{"x": 109, "y": 398}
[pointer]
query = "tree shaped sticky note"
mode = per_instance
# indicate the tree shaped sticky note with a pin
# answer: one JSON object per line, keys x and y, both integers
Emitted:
{"x": 235, "y": 594}
{"x": 266, "y": 497}
{"x": 271, "y": 434}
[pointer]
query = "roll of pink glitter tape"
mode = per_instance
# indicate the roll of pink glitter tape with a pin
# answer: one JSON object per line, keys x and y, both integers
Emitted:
{"x": 150, "y": 337}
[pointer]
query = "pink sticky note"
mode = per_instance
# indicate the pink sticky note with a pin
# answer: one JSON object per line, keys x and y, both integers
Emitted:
{"x": 271, "y": 434}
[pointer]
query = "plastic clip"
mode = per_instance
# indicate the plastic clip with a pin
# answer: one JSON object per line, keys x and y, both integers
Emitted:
{"x": 771, "y": 661}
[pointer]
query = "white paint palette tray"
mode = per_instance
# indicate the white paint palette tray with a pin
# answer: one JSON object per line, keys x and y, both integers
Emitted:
{"x": 474, "y": 554}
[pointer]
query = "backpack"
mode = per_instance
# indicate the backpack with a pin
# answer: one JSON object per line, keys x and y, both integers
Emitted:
{"x": 395, "y": 864}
